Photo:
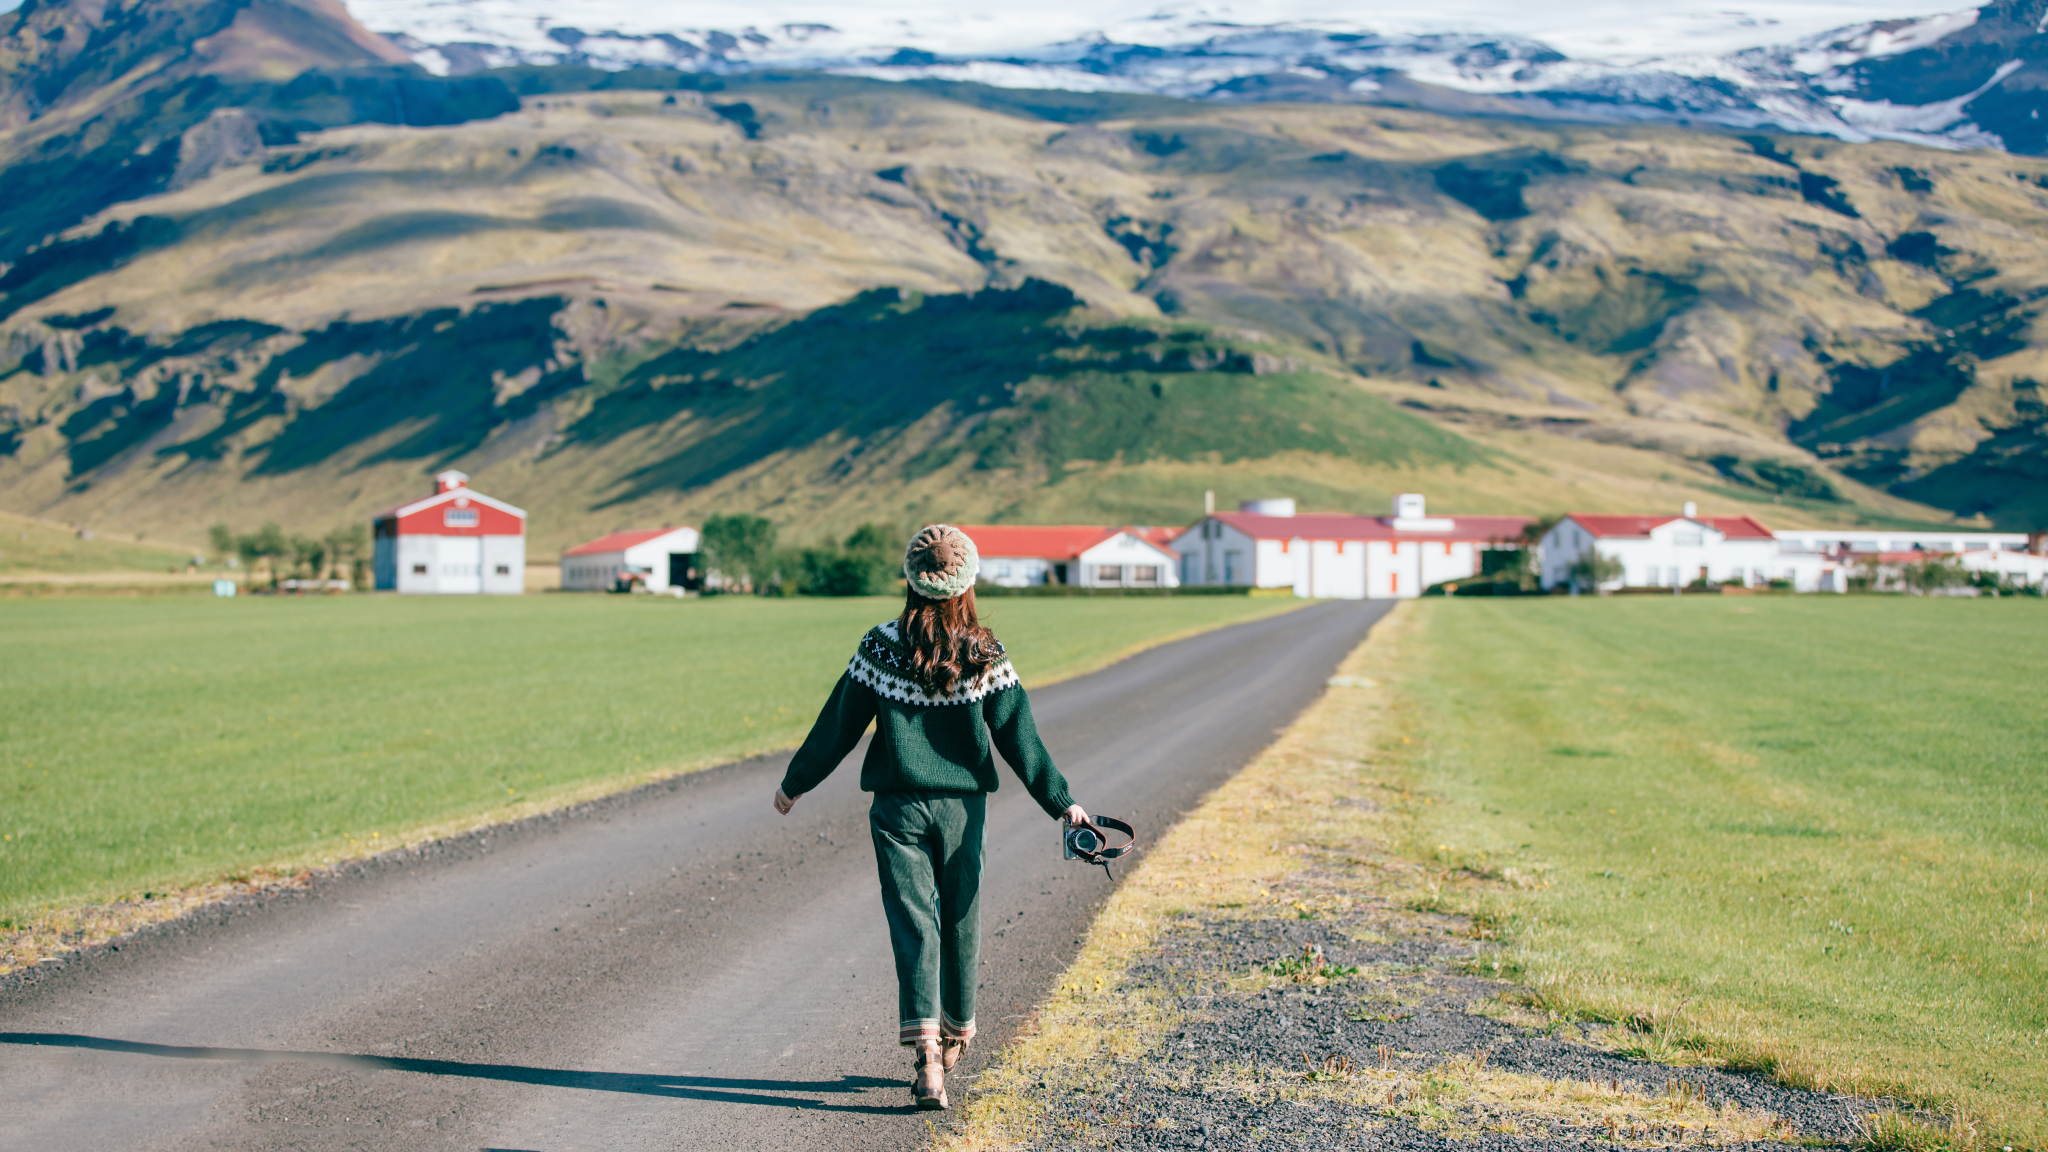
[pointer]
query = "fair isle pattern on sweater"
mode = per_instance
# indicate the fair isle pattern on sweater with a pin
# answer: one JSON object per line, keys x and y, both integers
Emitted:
{"x": 882, "y": 664}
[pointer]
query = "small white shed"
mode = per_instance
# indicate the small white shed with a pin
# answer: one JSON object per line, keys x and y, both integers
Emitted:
{"x": 663, "y": 558}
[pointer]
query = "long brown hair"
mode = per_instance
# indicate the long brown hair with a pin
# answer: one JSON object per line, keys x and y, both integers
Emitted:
{"x": 947, "y": 642}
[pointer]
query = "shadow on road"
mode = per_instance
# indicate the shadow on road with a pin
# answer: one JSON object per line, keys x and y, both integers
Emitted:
{"x": 711, "y": 1088}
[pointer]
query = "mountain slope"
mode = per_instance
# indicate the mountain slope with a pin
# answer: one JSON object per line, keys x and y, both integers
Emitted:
{"x": 649, "y": 295}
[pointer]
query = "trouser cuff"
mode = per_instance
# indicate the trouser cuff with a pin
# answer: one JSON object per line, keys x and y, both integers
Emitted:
{"x": 918, "y": 1031}
{"x": 954, "y": 1030}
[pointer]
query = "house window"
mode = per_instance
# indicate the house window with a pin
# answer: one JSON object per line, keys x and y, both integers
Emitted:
{"x": 419, "y": 569}
{"x": 459, "y": 517}
{"x": 1230, "y": 566}
{"x": 504, "y": 569}
{"x": 1003, "y": 571}
{"x": 1110, "y": 574}
{"x": 1145, "y": 574}
{"x": 1687, "y": 539}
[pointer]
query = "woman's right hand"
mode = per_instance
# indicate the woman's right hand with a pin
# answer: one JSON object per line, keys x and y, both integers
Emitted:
{"x": 783, "y": 803}
{"x": 1074, "y": 817}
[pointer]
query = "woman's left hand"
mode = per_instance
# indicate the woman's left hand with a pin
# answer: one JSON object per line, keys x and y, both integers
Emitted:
{"x": 783, "y": 803}
{"x": 1074, "y": 817}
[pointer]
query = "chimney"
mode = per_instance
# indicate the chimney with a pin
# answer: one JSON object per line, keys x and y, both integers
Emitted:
{"x": 1209, "y": 503}
{"x": 1408, "y": 506}
{"x": 449, "y": 481}
{"x": 1692, "y": 510}
{"x": 1272, "y": 506}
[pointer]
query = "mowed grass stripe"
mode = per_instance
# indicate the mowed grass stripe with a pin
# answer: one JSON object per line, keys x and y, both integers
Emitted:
{"x": 146, "y": 745}
{"x": 1807, "y": 833}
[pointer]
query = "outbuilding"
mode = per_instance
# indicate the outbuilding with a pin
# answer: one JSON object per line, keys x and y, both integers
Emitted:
{"x": 456, "y": 541}
{"x": 1341, "y": 555}
{"x": 664, "y": 559}
{"x": 1676, "y": 551}
{"x": 1083, "y": 555}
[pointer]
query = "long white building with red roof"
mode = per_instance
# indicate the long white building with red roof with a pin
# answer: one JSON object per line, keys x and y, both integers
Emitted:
{"x": 662, "y": 559}
{"x": 1083, "y": 555}
{"x": 1679, "y": 551}
{"x": 456, "y": 541}
{"x": 1340, "y": 555}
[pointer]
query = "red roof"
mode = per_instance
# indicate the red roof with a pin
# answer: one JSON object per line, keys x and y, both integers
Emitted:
{"x": 1733, "y": 527}
{"x": 446, "y": 497}
{"x": 619, "y": 541}
{"x": 1052, "y": 541}
{"x": 1344, "y": 526}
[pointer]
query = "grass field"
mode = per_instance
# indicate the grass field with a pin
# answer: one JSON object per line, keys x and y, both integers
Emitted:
{"x": 1805, "y": 834}
{"x": 153, "y": 744}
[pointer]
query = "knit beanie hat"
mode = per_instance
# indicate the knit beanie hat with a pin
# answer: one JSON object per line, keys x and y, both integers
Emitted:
{"x": 941, "y": 562}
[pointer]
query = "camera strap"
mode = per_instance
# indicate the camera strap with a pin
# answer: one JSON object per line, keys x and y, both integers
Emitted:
{"x": 1105, "y": 855}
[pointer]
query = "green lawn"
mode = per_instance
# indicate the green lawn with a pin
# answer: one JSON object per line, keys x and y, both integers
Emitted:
{"x": 1803, "y": 833}
{"x": 154, "y": 743}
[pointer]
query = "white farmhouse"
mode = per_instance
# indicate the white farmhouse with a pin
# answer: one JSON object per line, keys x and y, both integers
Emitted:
{"x": 1348, "y": 557}
{"x": 1083, "y": 555}
{"x": 1674, "y": 551}
{"x": 457, "y": 541}
{"x": 664, "y": 558}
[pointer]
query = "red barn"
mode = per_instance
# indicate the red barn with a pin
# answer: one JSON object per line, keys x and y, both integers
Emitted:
{"x": 455, "y": 541}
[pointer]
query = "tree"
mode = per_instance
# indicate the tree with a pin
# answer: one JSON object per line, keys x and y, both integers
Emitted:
{"x": 739, "y": 548}
{"x": 266, "y": 543}
{"x": 309, "y": 556}
{"x": 223, "y": 538}
{"x": 348, "y": 548}
{"x": 1592, "y": 569}
{"x": 868, "y": 564}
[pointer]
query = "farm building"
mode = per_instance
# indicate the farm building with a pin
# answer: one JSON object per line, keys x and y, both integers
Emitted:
{"x": 1348, "y": 557}
{"x": 1674, "y": 551}
{"x": 665, "y": 559}
{"x": 1084, "y": 555}
{"x": 2011, "y": 556}
{"x": 455, "y": 541}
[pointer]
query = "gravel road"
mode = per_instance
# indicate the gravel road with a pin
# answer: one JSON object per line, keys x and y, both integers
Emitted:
{"x": 676, "y": 967}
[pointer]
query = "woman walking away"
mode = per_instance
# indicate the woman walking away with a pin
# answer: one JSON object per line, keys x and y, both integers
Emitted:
{"x": 940, "y": 691}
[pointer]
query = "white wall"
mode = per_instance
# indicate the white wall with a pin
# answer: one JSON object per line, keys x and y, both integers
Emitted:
{"x": 452, "y": 565}
{"x": 1016, "y": 571}
{"x": 1111, "y": 564}
{"x": 1215, "y": 553}
{"x": 504, "y": 565}
{"x": 593, "y": 572}
{"x": 1341, "y": 569}
{"x": 1679, "y": 552}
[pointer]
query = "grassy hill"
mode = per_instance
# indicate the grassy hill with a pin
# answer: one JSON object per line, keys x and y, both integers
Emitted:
{"x": 642, "y": 297}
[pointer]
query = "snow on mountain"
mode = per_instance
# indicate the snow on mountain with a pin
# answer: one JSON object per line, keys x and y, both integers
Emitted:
{"x": 1892, "y": 73}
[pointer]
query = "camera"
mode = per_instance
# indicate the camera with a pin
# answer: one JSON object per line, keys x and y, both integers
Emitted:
{"x": 1082, "y": 842}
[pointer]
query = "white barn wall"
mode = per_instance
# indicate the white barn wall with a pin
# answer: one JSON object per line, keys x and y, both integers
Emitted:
{"x": 1123, "y": 552}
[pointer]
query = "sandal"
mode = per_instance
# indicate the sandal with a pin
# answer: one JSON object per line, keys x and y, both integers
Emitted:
{"x": 951, "y": 1049}
{"x": 929, "y": 1088}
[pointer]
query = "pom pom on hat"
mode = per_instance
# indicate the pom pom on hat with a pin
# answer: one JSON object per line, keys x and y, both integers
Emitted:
{"x": 941, "y": 562}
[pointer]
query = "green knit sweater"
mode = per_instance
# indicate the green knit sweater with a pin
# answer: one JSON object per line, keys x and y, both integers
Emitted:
{"x": 925, "y": 741}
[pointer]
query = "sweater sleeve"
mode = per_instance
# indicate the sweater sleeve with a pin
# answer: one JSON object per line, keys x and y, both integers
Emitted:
{"x": 1008, "y": 714}
{"x": 846, "y": 715}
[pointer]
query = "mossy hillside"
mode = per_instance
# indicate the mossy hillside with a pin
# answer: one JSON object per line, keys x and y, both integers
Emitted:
{"x": 1677, "y": 294}
{"x": 1017, "y": 380}
{"x": 993, "y": 389}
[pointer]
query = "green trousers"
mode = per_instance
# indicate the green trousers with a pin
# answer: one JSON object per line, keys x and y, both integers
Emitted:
{"x": 928, "y": 851}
